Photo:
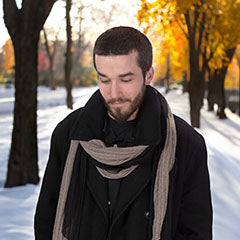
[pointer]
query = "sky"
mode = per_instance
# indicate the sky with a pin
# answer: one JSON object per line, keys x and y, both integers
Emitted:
{"x": 3, "y": 30}
{"x": 17, "y": 205}
{"x": 125, "y": 16}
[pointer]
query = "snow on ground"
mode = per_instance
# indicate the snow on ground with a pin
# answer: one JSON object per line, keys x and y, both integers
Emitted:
{"x": 17, "y": 205}
{"x": 223, "y": 142}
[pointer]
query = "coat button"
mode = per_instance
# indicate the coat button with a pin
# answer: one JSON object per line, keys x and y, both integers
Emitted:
{"x": 109, "y": 203}
{"x": 146, "y": 214}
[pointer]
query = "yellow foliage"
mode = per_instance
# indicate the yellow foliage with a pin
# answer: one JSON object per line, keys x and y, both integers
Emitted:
{"x": 158, "y": 19}
{"x": 8, "y": 57}
{"x": 232, "y": 78}
{"x": 233, "y": 75}
{"x": 86, "y": 59}
{"x": 166, "y": 22}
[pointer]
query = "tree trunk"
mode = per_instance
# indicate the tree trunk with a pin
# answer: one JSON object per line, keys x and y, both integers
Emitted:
{"x": 24, "y": 27}
{"x": 194, "y": 112}
{"x": 196, "y": 86}
{"x": 195, "y": 100}
{"x": 221, "y": 94}
{"x": 50, "y": 55}
{"x": 210, "y": 105}
{"x": 167, "y": 76}
{"x": 68, "y": 63}
{"x": 184, "y": 82}
{"x": 238, "y": 60}
{"x": 52, "y": 84}
{"x": 212, "y": 86}
{"x": 221, "y": 79}
{"x": 22, "y": 165}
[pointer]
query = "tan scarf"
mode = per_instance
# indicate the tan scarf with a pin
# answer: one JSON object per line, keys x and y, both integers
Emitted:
{"x": 115, "y": 156}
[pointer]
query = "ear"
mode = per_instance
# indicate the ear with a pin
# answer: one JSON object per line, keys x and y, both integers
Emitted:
{"x": 149, "y": 76}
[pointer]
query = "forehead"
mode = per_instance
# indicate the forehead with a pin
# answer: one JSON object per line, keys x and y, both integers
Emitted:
{"x": 117, "y": 64}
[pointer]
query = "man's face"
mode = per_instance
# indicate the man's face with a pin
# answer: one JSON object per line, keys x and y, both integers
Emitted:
{"x": 121, "y": 84}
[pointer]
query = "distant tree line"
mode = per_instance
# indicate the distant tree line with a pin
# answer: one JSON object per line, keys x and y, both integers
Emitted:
{"x": 82, "y": 71}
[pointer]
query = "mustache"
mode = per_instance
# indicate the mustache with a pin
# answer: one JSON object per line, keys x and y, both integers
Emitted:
{"x": 122, "y": 100}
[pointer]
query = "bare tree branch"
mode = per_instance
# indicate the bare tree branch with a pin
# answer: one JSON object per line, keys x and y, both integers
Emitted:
{"x": 187, "y": 18}
{"x": 213, "y": 51}
{"x": 41, "y": 10}
{"x": 11, "y": 15}
{"x": 44, "y": 9}
{"x": 47, "y": 44}
{"x": 201, "y": 31}
{"x": 196, "y": 16}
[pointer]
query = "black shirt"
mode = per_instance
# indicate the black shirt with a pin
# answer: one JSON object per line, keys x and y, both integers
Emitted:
{"x": 122, "y": 135}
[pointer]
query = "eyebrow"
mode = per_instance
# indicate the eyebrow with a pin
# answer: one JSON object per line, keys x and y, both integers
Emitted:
{"x": 101, "y": 74}
{"x": 126, "y": 74}
{"x": 121, "y": 75}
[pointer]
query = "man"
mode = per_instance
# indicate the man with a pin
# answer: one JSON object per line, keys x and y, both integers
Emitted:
{"x": 123, "y": 167}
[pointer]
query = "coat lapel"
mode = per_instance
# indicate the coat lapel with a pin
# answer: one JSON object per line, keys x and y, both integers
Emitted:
{"x": 98, "y": 188}
{"x": 131, "y": 186}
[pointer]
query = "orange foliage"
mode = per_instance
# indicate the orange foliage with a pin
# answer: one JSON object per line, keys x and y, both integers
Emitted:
{"x": 156, "y": 18}
{"x": 233, "y": 75}
{"x": 8, "y": 57}
{"x": 165, "y": 20}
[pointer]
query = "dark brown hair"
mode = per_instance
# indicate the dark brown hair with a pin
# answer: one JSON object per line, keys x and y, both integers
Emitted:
{"x": 123, "y": 40}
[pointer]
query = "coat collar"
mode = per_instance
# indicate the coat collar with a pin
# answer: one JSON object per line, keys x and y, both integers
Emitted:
{"x": 151, "y": 117}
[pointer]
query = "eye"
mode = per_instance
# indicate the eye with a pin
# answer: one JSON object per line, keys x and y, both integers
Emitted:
{"x": 103, "y": 80}
{"x": 126, "y": 80}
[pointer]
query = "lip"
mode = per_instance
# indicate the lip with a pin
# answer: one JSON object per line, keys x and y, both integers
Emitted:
{"x": 117, "y": 103}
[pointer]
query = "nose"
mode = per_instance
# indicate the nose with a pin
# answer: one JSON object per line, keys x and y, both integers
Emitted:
{"x": 115, "y": 90}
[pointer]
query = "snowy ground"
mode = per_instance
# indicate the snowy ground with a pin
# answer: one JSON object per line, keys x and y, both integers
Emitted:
{"x": 17, "y": 205}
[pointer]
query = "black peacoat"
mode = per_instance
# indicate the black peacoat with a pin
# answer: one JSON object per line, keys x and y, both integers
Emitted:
{"x": 189, "y": 209}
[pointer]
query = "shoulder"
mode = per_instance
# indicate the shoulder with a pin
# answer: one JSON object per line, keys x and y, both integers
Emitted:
{"x": 64, "y": 128}
{"x": 191, "y": 151}
{"x": 60, "y": 139}
{"x": 191, "y": 148}
{"x": 187, "y": 135}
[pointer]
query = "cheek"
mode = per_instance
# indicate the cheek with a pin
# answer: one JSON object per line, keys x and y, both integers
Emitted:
{"x": 104, "y": 91}
{"x": 133, "y": 91}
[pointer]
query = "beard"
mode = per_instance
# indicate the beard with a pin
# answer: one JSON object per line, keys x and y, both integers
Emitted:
{"x": 121, "y": 115}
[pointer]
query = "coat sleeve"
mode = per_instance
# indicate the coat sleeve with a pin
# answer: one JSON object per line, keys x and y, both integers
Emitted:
{"x": 195, "y": 220}
{"x": 48, "y": 198}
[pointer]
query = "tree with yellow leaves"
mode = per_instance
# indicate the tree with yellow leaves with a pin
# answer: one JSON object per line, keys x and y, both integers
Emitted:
{"x": 226, "y": 37}
{"x": 206, "y": 26}
{"x": 171, "y": 53}
{"x": 190, "y": 18}
{"x": 238, "y": 60}
{"x": 169, "y": 43}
